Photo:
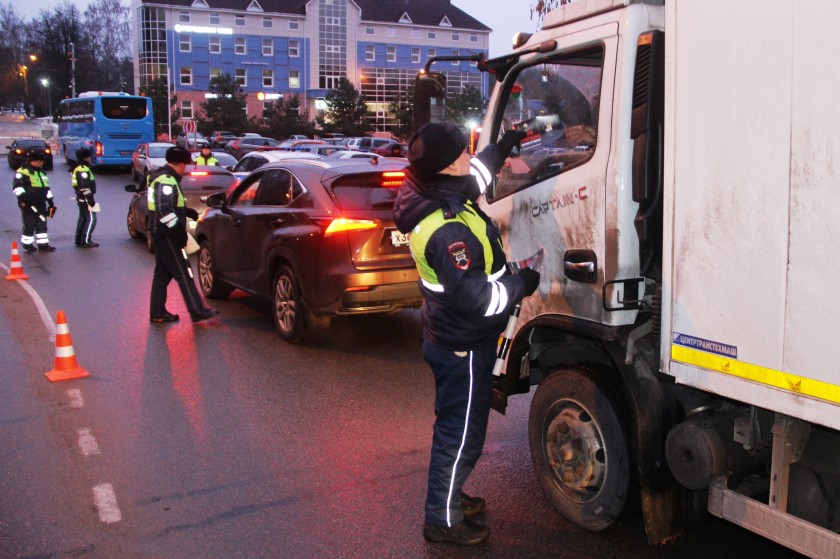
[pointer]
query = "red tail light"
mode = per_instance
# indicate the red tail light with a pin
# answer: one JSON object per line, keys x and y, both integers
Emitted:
{"x": 199, "y": 173}
{"x": 98, "y": 149}
{"x": 391, "y": 179}
{"x": 343, "y": 224}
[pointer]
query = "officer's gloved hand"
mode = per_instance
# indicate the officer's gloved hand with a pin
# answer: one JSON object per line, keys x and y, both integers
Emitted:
{"x": 510, "y": 139}
{"x": 22, "y": 202}
{"x": 531, "y": 278}
{"x": 50, "y": 203}
{"x": 191, "y": 213}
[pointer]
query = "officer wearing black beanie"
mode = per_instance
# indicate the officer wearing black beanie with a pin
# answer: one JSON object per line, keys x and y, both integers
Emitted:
{"x": 468, "y": 294}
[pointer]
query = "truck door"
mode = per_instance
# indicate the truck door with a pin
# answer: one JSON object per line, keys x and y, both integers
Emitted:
{"x": 553, "y": 192}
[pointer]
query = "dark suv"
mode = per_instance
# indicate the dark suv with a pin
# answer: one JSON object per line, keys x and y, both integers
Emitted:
{"x": 316, "y": 238}
{"x": 240, "y": 146}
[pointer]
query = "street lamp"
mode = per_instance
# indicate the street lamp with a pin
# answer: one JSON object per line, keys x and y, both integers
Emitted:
{"x": 46, "y": 83}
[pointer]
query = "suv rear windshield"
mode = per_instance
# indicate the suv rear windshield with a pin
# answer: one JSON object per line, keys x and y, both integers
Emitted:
{"x": 363, "y": 191}
{"x": 124, "y": 109}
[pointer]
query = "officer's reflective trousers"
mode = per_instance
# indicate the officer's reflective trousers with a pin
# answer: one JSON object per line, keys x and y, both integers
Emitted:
{"x": 34, "y": 219}
{"x": 463, "y": 393}
{"x": 171, "y": 263}
{"x": 85, "y": 224}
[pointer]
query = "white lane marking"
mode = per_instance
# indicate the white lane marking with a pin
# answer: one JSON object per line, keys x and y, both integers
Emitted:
{"x": 76, "y": 400}
{"x": 105, "y": 502}
{"x": 87, "y": 443}
{"x": 39, "y": 304}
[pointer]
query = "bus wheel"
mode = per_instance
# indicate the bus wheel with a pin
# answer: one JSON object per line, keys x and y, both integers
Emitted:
{"x": 579, "y": 447}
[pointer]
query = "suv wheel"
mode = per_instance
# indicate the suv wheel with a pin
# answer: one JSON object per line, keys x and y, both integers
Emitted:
{"x": 132, "y": 226}
{"x": 288, "y": 310}
{"x": 150, "y": 244}
{"x": 211, "y": 287}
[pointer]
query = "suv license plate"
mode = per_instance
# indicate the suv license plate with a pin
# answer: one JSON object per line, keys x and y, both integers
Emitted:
{"x": 399, "y": 239}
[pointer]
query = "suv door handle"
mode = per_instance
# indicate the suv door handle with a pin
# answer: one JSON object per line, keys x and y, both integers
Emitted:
{"x": 277, "y": 222}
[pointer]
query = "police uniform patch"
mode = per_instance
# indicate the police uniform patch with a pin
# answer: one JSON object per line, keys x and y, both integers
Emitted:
{"x": 167, "y": 190}
{"x": 459, "y": 254}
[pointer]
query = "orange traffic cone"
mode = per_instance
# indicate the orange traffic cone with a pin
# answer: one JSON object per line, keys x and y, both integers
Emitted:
{"x": 16, "y": 268}
{"x": 65, "y": 367}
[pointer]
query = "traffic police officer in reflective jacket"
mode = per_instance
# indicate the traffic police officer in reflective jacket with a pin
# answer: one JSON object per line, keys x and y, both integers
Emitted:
{"x": 169, "y": 237}
{"x": 35, "y": 201}
{"x": 206, "y": 157}
{"x": 468, "y": 295}
{"x": 84, "y": 184}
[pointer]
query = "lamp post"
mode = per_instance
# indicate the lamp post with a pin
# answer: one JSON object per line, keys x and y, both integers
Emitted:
{"x": 46, "y": 83}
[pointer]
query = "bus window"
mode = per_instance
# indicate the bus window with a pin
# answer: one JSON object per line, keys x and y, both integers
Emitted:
{"x": 121, "y": 108}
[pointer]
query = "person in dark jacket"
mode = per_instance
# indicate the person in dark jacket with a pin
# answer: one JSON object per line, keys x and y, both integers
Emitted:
{"x": 35, "y": 200}
{"x": 84, "y": 185}
{"x": 169, "y": 236}
{"x": 468, "y": 295}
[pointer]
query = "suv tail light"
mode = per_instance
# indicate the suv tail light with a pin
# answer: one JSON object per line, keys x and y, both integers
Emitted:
{"x": 235, "y": 144}
{"x": 342, "y": 224}
{"x": 392, "y": 179}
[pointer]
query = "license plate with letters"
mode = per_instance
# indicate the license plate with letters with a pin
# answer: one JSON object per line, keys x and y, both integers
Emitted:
{"x": 399, "y": 239}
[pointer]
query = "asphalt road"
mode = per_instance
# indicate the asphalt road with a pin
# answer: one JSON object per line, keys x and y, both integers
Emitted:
{"x": 220, "y": 440}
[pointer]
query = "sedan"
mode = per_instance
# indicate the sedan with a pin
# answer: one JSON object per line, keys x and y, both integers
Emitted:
{"x": 193, "y": 140}
{"x": 198, "y": 182}
{"x": 241, "y": 146}
{"x": 315, "y": 238}
{"x": 19, "y": 152}
{"x": 148, "y": 157}
{"x": 394, "y": 149}
{"x": 256, "y": 159}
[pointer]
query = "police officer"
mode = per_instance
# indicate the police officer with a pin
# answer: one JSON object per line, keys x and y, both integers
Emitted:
{"x": 35, "y": 200}
{"x": 169, "y": 234}
{"x": 468, "y": 295}
{"x": 84, "y": 185}
{"x": 206, "y": 157}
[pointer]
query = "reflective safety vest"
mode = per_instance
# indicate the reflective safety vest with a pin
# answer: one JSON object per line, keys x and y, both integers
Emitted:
{"x": 168, "y": 188}
{"x": 37, "y": 178}
{"x": 82, "y": 172}
{"x": 201, "y": 160}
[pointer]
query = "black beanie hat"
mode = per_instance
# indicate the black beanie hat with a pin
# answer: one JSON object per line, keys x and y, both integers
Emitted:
{"x": 435, "y": 147}
{"x": 177, "y": 154}
{"x": 82, "y": 154}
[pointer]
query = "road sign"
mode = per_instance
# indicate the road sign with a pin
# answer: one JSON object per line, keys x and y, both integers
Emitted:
{"x": 188, "y": 126}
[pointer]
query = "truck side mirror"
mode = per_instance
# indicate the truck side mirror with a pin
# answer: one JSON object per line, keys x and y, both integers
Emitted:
{"x": 427, "y": 86}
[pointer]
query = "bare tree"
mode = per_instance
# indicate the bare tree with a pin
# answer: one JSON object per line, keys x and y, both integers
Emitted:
{"x": 52, "y": 32}
{"x": 107, "y": 33}
{"x": 14, "y": 60}
{"x": 542, "y": 7}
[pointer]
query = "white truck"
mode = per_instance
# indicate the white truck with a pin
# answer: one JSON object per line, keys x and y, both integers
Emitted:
{"x": 682, "y": 174}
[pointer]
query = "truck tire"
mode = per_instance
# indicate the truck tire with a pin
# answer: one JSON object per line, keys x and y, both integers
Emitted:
{"x": 579, "y": 447}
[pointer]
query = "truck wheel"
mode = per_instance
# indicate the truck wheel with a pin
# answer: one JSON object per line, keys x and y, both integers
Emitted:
{"x": 288, "y": 310}
{"x": 207, "y": 278}
{"x": 579, "y": 447}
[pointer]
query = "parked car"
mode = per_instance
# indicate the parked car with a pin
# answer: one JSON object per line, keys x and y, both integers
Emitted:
{"x": 256, "y": 159}
{"x": 393, "y": 149}
{"x": 148, "y": 157}
{"x": 349, "y": 154}
{"x": 290, "y": 144}
{"x": 193, "y": 140}
{"x": 198, "y": 182}
{"x": 20, "y": 148}
{"x": 221, "y": 138}
{"x": 241, "y": 146}
{"x": 318, "y": 149}
{"x": 316, "y": 238}
{"x": 297, "y": 137}
{"x": 226, "y": 160}
{"x": 250, "y": 135}
{"x": 367, "y": 143}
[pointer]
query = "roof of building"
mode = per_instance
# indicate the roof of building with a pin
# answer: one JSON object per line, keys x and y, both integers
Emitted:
{"x": 419, "y": 12}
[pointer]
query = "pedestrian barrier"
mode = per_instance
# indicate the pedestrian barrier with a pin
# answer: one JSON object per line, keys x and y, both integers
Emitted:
{"x": 16, "y": 268}
{"x": 65, "y": 367}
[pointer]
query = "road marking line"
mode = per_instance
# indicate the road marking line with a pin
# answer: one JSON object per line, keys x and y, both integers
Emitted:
{"x": 39, "y": 304}
{"x": 76, "y": 400}
{"x": 87, "y": 443}
{"x": 105, "y": 502}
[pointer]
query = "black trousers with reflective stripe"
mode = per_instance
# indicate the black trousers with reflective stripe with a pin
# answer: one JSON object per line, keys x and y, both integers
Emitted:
{"x": 463, "y": 393}
{"x": 85, "y": 224}
{"x": 172, "y": 263}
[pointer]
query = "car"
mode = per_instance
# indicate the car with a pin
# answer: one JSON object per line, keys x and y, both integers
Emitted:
{"x": 226, "y": 160}
{"x": 297, "y": 137}
{"x": 221, "y": 137}
{"x": 241, "y": 146}
{"x": 198, "y": 182}
{"x": 318, "y": 149}
{"x": 193, "y": 140}
{"x": 367, "y": 143}
{"x": 349, "y": 154}
{"x": 393, "y": 149}
{"x": 250, "y": 135}
{"x": 19, "y": 152}
{"x": 256, "y": 159}
{"x": 314, "y": 237}
{"x": 148, "y": 157}
{"x": 290, "y": 144}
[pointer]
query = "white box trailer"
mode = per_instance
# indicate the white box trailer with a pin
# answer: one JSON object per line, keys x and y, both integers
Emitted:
{"x": 681, "y": 338}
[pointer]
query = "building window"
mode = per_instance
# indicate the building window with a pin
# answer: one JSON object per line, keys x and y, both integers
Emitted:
{"x": 369, "y": 30}
{"x": 473, "y": 38}
{"x": 415, "y": 33}
{"x": 332, "y": 21}
{"x": 214, "y": 18}
{"x": 184, "y": 43}
{"x": 268, "y": 47}
{"x": 294, "y": 79}
{"x": 239, "y": 20}
{"x": 239, "y": 46}
{"x": 370, "y": 52}
{"x": 432, "y": 35}
{"x": 186, "y": 75}
{"x": 294, "y": 24}
{"x": 456, "y": 36}
{"x": 415, "y": 55}
{"x": 391, "y": 31}
{"x": 215, "y": 73}
{"x": 391, "y": 54}
{"x": 294, "y": 49}
{"x": 267, "y": 22}
{"x": 241, "y": 78}
{"x": 432, "y": 53}
{"x": 186, "y": 109}
{"x": 456, "y": 53}
{"x": 215, "y": 45}
{"x": 183, "y": 17}
{"x": 268, "y": 78}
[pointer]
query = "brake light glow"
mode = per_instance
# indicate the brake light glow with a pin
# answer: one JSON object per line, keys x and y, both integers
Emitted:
{"x": 343, "y": 224}
{"x": 392, "y": 179}
{"x": 199, "y": 173}
{"x": 99, "y": 149}
{"x": 47, "y": 151}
